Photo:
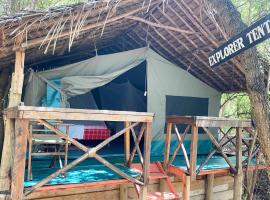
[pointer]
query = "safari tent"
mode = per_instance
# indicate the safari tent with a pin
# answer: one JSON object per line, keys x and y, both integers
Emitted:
{"x": 157, "y": 86}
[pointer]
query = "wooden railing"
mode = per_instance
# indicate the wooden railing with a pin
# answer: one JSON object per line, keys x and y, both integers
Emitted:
{"x": 249, "y": 147}
{"x": 22, "y": 115}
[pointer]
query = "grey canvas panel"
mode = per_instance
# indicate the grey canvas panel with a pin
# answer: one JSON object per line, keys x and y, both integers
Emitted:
{"x": 186, "y": 106}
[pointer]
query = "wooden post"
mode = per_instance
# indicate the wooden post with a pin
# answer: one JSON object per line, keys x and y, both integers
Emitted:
{"x": 127, "y": 143}
{"x": 146, "y": 158}
{"x": 193, "y": 152}
{"x": 4, "y": 87}
{"x": 186, "y": 187}
{"x": 209, "y": 187}
{"x": 30, "y": 176}
{"x": 66, "y": 146}
{"x": 14, "y": 100}
{"x": 238, "y": 177}
{"x": 167, "y": 145}
{"x": 162, "y": 185}
{"x": 123, "y": 192}
{"x": 21, "y": 133}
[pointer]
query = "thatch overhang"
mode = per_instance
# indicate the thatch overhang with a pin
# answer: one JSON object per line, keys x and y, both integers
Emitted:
{"x": 184, "y": 32}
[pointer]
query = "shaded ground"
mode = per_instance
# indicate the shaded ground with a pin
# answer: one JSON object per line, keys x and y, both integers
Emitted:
{"x": 262, "y": 190}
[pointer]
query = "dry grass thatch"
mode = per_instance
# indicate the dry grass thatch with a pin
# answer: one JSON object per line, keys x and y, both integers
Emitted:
{"x": 183, "y": 31}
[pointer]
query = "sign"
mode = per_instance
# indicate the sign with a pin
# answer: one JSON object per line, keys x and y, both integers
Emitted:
{"x": 254, "y": 34}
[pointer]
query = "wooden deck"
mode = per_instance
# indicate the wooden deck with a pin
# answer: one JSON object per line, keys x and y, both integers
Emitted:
{"x": 222, "y": 190}
{"x": 123, "y": 189}
{"x": 21, "y": 116}
{"x": 193, "y": 123}
{"x": 167, "y": 176}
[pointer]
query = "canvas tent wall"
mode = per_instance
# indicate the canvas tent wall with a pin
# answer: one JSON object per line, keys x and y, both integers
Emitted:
{"x": 167, "y": 85}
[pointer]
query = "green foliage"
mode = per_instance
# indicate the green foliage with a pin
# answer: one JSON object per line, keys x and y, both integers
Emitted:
{"x": 252, "y": 10}
{"x": 235, "y": 105}
{"x": 9, "y": 7}
{"x": 45, "y": 4}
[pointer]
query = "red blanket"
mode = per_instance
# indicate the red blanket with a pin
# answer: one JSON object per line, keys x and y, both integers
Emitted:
{"x": 96, "y": 133}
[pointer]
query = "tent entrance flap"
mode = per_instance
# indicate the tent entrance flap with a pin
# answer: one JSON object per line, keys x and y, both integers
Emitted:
{"x": 125, "y": 93}
{"x": 82, "y": 77}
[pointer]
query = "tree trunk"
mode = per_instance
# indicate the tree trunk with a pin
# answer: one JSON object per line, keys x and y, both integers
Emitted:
{"x": 230, "y": 18}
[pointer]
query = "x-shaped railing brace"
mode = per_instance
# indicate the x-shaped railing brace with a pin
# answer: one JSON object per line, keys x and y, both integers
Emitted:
{"x": 92, "y": 153}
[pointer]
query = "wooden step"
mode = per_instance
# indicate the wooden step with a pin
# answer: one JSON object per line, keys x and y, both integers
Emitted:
{"x": 154, "y": 171}
{"x": 161, "y": 196}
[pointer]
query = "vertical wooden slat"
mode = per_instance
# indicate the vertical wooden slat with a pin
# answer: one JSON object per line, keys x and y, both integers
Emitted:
{"x": 127, "y": 143}
{"x": 209, "y": 187}
{"x": 21, "y": 132}
{"x": 238, "y": 178}
{"x": 123, "y": 192}
{"x": 167, "y": 145}
{"x": 193, "y": 151}
{"x": 162, "y": 185}
{"x": 146, "y": 157}
{"x": 14, "y": 100}
{"x": 29, "y": 177}
{"x": 17, "y": 80}
{"x": 66, "y": 146}
{"x": 186, "y": 187}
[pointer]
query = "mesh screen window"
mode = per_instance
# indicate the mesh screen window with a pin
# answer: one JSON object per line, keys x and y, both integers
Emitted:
{"x": 186, "y": 106}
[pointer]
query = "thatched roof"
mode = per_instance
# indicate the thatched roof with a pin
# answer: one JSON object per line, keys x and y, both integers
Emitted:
{"x": 184, "y": 32}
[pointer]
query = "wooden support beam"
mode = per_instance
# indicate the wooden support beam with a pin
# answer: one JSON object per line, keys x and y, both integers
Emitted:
{"x": 180, "y": 144}
{"x": 205, "y": 121}
{"x": 209, "y": 187}
{"x": 63, "y": 135}
{"x": 57, "y": 173}
{"x": 238, "y": 177}
{"x": 136, "y": 145}
{"x": 4, "y": 87}
{"x": 210, "y": 155}
{"x": 167, "y": 146}
{"x": 146, "y": 157}
{"x": 64, "y": 34}
{"x": 163, "y": 185}
{"x": 137, "y": 142}
{"x": 46, "y": 113}
{"x": 127, "y": 143}
{"x": 89, "y": 152}
{"x": 218, "y": 146}
{"x": 17, "y": 181}
{"x": 158, "y": 25}
{"x": 123, "y": 192}
{"x": 186, "y": 187}
{"x": 14, "y": 100}
{"x": 17, "y": 80}
{"x": 29, "y": 166}
{"x": 193, "y": 152}
{"x": 118, "y": 171}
